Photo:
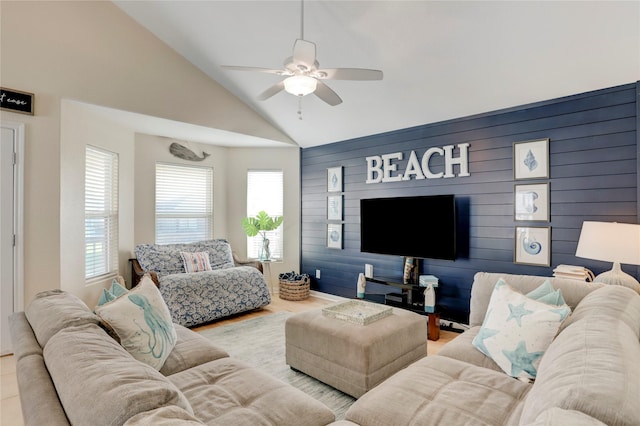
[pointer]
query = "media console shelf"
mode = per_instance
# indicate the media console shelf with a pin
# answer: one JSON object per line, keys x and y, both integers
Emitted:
{"x": 412, "y": 299}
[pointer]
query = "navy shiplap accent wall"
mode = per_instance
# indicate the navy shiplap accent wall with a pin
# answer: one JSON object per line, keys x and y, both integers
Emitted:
{"x": 594, "y": 166}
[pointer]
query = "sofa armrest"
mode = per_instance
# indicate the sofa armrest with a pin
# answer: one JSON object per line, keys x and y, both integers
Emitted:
{"x": 137, "y": 273}
{"x": 247, "y": 262}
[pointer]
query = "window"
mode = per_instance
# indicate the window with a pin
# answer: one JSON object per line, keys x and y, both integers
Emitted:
{"x": 184, "y": 203}
{"x": 265, "y": 192}
{"x": 100, "y": 212}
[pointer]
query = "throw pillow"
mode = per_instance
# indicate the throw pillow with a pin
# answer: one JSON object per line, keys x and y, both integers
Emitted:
{"x": 196, "y": 262}
{"x": 141, "y": 320}
{"x": 517, "y": 330}
{"x": 116, "y": 290}
{"x": 547, "y": 294}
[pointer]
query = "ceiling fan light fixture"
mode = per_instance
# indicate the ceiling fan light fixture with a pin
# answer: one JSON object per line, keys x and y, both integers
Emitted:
{"x": 300, "y": 85}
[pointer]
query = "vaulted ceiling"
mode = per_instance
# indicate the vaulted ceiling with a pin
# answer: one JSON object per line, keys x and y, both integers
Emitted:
{"x": 440, "y": 59}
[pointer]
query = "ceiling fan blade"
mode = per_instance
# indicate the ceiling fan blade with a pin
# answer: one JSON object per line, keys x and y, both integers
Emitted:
{"x": 273, "y": 90}
{"x": 350, "y": 74}
{"x": 304, "y": 53}
{"x": 325, "y": 93}
{"x": 256, "y": 69}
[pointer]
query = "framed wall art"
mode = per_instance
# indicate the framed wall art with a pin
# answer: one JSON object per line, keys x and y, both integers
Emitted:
{"x": 334, "y": 179}
{"x": 334, "y": 207}
{"x": 531, "y": 159}
{"x": 334, "y": 235}
{"x": 531, "y": 202}
{"x": 533, "y": 245}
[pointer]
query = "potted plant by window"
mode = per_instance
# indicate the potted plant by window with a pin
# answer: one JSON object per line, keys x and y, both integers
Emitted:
{"x": 261, "y": 224}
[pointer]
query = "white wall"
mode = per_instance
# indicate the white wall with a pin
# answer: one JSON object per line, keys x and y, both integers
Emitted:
{"x": 92, "y": 52}
{"x": 285, "y": 159}
{"x": 81, "y": 127}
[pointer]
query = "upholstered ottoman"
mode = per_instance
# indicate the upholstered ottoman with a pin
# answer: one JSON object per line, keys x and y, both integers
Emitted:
{"x": 350, "y": 357}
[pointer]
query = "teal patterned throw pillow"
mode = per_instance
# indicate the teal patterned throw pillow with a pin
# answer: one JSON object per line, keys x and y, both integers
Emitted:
{"x": 141, "y": 320}
{"x": 517, "y": 329}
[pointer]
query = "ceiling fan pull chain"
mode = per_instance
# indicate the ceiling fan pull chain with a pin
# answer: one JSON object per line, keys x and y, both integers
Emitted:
{"x": 302, "y": 19}
{"x": 300, "y": 108}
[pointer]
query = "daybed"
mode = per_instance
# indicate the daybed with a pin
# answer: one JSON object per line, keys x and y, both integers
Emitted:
{"x": 198, "y": 297}
{"x": 588, "y": 375}
{"x": 71, "y": 371}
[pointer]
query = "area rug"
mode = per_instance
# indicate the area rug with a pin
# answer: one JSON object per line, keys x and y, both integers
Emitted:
{"x": 260, "y": 342}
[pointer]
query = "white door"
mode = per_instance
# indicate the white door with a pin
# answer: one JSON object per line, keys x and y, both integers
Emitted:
{"x": 8, "y": 144}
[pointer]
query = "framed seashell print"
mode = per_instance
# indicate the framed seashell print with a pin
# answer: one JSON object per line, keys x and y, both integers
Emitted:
{"x": 531, "y": 159}
{"x": 531, "y": 202}
{"x": 532, "y": 245}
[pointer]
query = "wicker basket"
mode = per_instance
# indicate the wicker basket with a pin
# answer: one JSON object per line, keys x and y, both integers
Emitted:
{"x": 294, "y": 290}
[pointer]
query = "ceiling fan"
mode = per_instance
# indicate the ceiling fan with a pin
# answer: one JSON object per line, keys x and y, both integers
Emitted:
{"x": 304, "y": 75}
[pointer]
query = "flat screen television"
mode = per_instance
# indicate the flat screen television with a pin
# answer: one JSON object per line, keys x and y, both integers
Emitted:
{"x": 420, "y": 226}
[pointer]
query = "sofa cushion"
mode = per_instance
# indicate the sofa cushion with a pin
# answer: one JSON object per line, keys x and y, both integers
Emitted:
{"x": 559, "y": 417}
{"x": 461, "y": 348}
{"x": 191, "y": 349}
{"x": 592, "y": 367}
{"x": 53, "y": 310}
{"x": 142, "y": 322}
{"x": 517, "y": 330}
{"x": 483, "y": 283}
{"x": 196, "y": 262}
{"x": 230, "y": 392}
{"x": 85, "y": 362}
{"x": 164, "y": 416}
{"x": 438, "y": 390}
{"x": 165, "y": 259}
{"x": 613, "y": 302}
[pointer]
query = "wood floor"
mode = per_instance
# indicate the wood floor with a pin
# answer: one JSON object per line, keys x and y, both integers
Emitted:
{"x": 10, "y": 411}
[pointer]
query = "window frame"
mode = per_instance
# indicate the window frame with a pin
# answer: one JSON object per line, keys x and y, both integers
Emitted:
{"x": 253, "y": 207}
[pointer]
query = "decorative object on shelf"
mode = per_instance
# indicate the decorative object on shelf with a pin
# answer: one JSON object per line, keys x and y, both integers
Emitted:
{"x": 293, "y": 286}
{"x": 362, "y": 284}
{"x": 531, "y": 159}
{"x": 429, "y": 282}
{"x": 532, "y": 202}
{"x": 185, "y": 153}
{"x": 611, "y": 242}
{"x": 410, "y": 273}
{"x": 334, "y": 179}
{"x": 261, "y": 224}
{"x": 334, "y": 235}
{"x": 533, "y": 245}
{"x": 334, "y": 207}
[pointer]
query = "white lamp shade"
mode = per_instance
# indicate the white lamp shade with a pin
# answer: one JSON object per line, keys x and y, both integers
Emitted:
{"x": 300, "y": 85}
{"x": 610, "y": 242}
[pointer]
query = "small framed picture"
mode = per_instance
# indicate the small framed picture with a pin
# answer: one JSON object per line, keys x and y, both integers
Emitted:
{"x": 533, "y": 245}
{"x": 334, "y": 179}
{"x": 334, "y": 207}
{"x": 334, "y": 236}
{"x": 531, "y": 202}
{"x": 531, "y": 159}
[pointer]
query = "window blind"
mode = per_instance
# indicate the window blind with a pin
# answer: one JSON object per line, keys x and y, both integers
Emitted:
{"x": 265, "y": 192}
{"x": 184, "y": 203}
{"x": 101, "y": 212}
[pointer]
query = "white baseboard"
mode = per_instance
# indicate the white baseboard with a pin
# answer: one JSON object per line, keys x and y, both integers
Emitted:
{"x": 326, "y": 296}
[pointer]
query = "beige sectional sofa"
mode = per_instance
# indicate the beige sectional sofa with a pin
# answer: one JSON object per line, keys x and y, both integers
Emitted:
{"x": 589, "y": 375}
{"x": 70, "y": 371}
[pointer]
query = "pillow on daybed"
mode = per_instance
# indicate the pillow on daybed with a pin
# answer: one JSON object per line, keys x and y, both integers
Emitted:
{"x": 517, "y": 330}
{"x": 196, "y": 262}
{"x": 141, "y": 320}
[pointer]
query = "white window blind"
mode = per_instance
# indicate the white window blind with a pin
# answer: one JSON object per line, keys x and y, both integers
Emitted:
{"x": 265, "y": 192}
{"x": 184, "y": 203}
{"x": 100, "y": 212}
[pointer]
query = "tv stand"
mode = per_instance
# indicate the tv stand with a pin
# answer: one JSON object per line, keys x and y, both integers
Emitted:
{"x": 412, "y": 299}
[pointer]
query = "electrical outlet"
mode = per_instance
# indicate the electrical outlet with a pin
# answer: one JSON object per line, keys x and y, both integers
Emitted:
{"x": 317, "y": 274}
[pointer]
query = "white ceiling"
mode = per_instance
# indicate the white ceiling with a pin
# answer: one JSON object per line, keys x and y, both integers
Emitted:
{"x": 441, "y": 59}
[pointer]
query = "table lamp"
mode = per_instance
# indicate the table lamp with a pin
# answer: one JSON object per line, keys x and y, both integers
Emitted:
{"x": 611, "y": 242}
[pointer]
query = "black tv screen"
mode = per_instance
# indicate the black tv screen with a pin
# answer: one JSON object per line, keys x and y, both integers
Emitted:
{"x": 421, "y": 226}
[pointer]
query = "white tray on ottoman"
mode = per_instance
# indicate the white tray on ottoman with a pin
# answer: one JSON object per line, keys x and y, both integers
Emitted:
{"x": 357, "y": 312}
